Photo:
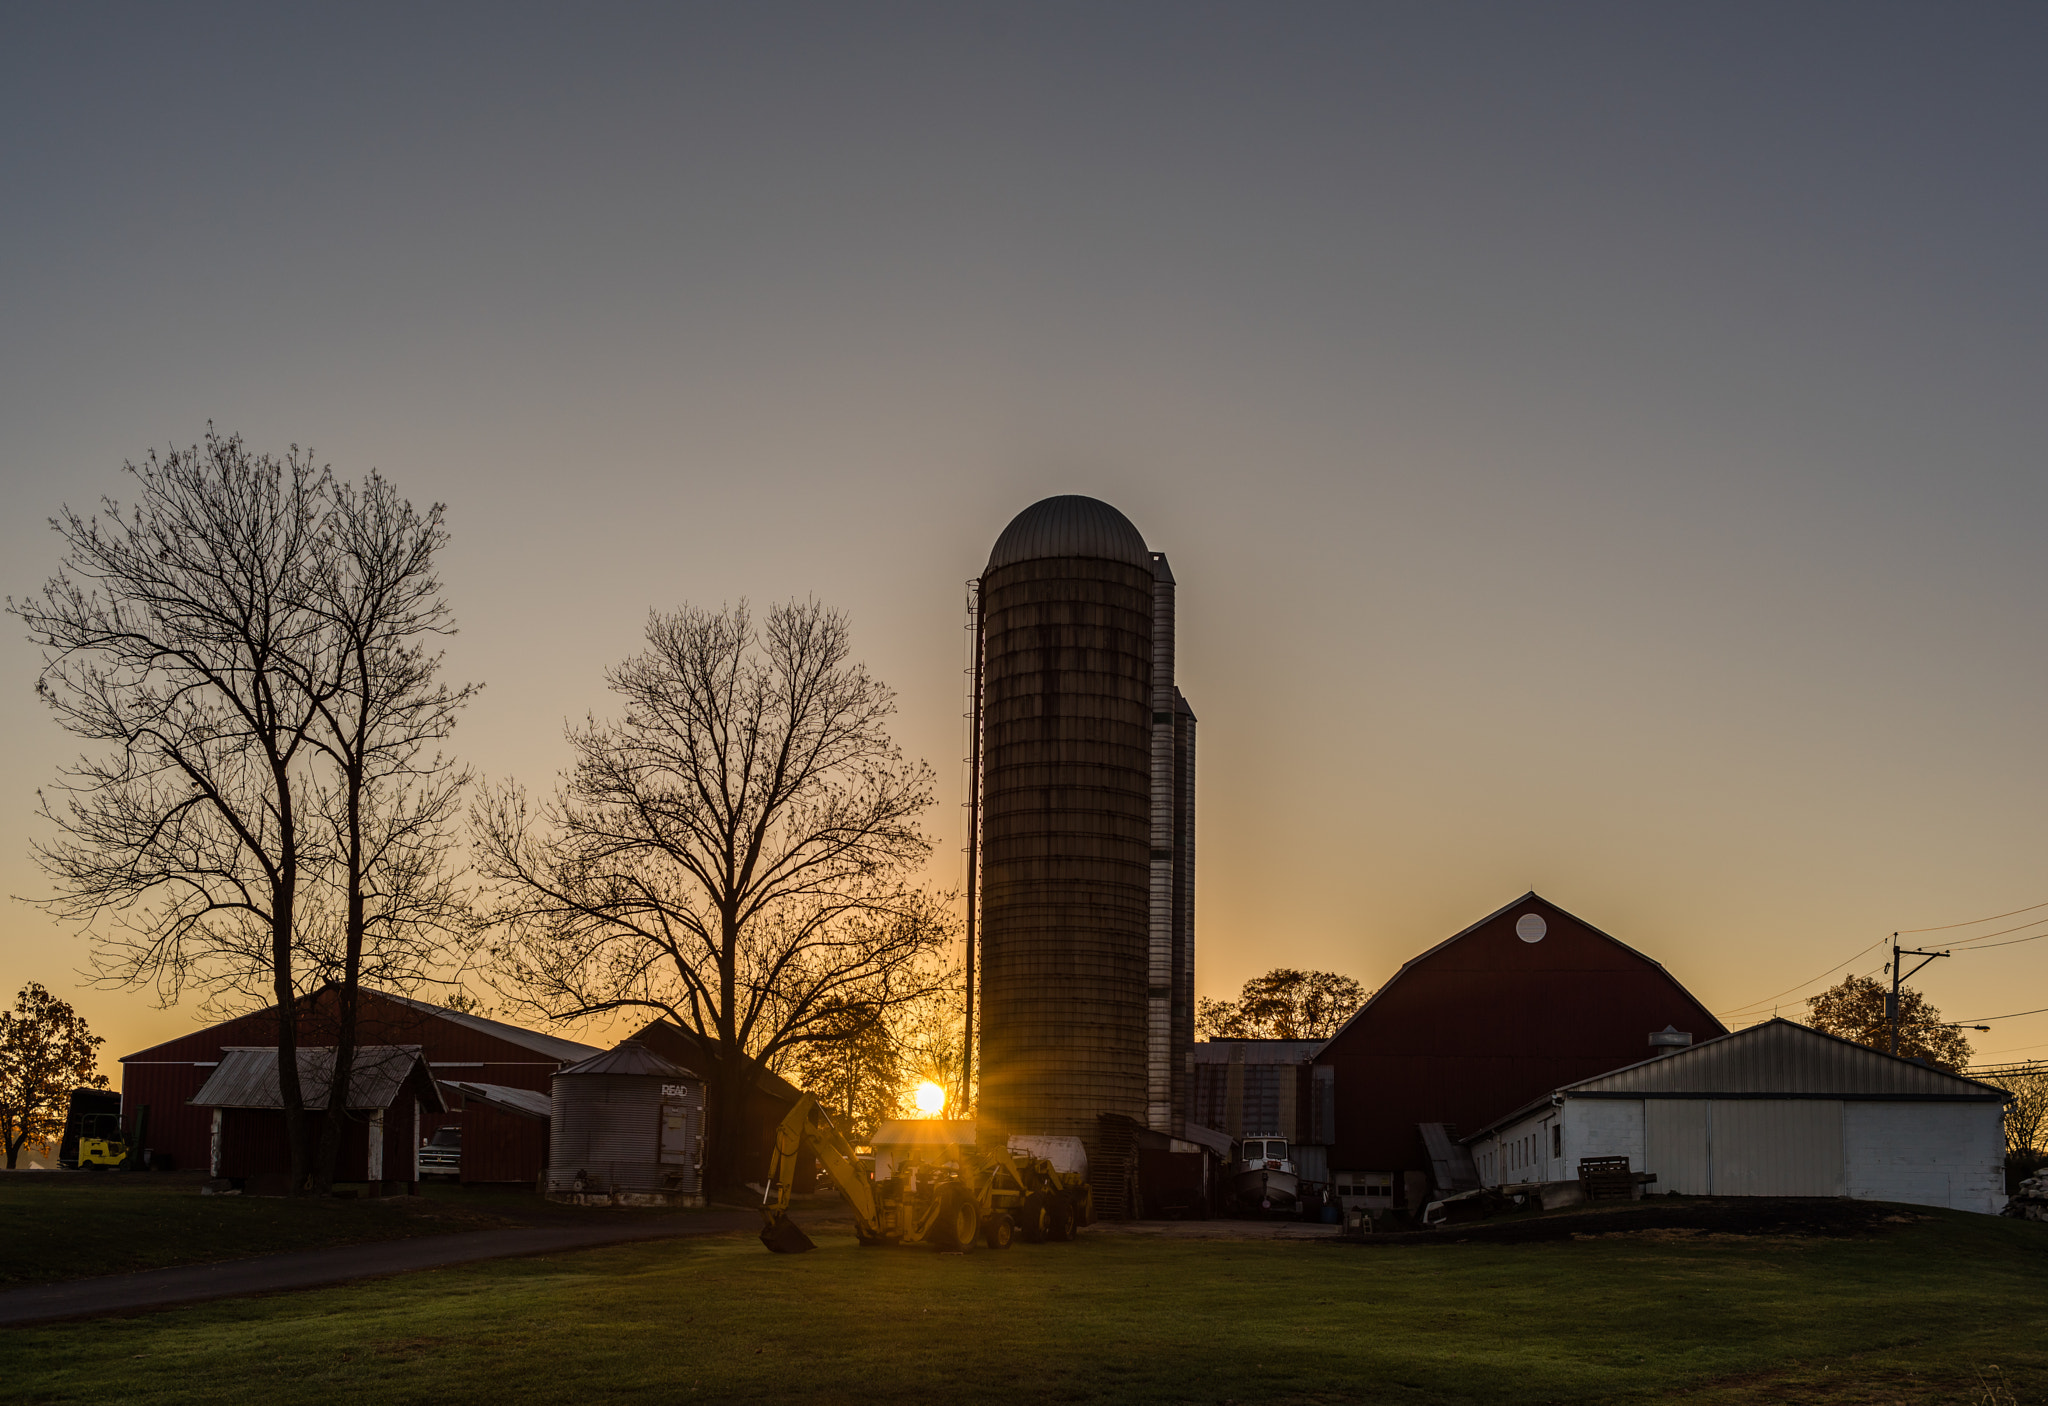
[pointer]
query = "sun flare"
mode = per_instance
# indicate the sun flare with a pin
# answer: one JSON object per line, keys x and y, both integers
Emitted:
{"x": 931, "y": 1099}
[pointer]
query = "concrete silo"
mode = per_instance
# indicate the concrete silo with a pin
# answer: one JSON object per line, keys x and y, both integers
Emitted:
{"x": 1085, "y": 829}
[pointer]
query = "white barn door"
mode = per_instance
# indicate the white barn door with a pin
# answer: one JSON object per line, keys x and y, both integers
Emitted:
{"x": 1776, "y": 1147}
{"x": 1675, "y": 1145}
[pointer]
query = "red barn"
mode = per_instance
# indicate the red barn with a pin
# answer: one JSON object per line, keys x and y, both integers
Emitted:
{"x": 158, "y": 1083}
{"x": 1527, "y": 999}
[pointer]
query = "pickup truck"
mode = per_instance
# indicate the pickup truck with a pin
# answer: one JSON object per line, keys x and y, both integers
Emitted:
{"x": 441, "y": 1154}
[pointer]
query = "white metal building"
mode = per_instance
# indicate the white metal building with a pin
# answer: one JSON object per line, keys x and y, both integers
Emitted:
{"x": 1779, "y": 1109}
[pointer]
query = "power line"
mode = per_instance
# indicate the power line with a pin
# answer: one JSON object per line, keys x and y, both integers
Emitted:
{"x": 2014, "y": 943}
{"x": 1945, "y": 927}
{"x": 1743, "y": 1009}
{"x": 2014, "y": 1016}
{"x": 2017, "y": 1049}
{"x": 1964, "y": 942}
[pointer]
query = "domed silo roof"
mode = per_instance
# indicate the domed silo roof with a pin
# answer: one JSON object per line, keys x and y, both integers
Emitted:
{"x": 1070, "y": 526}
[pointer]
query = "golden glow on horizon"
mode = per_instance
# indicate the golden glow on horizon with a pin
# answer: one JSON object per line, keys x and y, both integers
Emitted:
{"x": 930, "y": 1099}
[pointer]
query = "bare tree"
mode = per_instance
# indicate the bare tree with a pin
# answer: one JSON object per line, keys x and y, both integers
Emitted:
{"x": 735, "y": 852}
{"x": 180, "y": 635}
{"x": 1284, "y": 1004}
{"x": 252, "y": 643}
{"x": 2026, "y": 1113}
{"x": 46, "y": 1051}
{"x": 387, "y": 803}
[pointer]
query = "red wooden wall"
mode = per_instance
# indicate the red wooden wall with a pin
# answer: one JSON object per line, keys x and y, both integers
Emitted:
{"x": 498, "y": 1146}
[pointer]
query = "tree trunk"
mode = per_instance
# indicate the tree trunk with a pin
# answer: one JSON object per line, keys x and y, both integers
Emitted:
{"x": 328, "y": 1161}
{"x": 729, "y": 1166}
{"x": 289, "y": 1090}
{"x": 349, "y": 996}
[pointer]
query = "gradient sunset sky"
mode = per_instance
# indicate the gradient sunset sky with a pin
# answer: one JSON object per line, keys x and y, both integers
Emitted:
{"x": 1601, "y": 447}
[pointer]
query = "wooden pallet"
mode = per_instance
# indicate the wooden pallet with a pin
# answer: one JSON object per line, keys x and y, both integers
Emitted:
{"x": 1606, "y": 1178}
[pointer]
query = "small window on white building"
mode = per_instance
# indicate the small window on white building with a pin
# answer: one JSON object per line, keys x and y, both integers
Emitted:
{"x": 1557, "y": 1139}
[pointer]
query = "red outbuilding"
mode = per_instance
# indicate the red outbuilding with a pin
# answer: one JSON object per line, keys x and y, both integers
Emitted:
{"x": 1527, "y": 999}
{"x": 504, "y": 1131}
{"x": 390, "y": 1093}
{"x": 158, "y": 1084}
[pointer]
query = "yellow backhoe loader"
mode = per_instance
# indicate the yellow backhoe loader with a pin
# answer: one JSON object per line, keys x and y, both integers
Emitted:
{"x": 952, "y": 1195}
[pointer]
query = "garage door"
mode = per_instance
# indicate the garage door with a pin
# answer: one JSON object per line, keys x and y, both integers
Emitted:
{"x": 1777, "y": 1147}
{"x": 1744, "y": 1146}
{"x": 1675, "y": 1145}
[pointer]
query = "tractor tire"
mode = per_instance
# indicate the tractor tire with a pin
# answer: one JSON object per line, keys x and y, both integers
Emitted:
{"x": 1059, "y": 1219}
{"x": 1034, "y": 1218}
{"x": 998, "y": 1230}
{"x": 959, "y": 1226}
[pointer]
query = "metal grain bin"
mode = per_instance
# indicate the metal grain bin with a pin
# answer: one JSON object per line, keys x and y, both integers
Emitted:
{"x": 1086, "y": 960}
{"x": 627, "y": 1130}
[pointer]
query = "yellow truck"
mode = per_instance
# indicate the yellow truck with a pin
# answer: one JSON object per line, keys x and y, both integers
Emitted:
{"x": 954, "y": 1192}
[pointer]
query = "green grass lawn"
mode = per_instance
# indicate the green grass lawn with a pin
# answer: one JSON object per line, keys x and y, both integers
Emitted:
{"x": 57, "y": 1225}
{"x": 1912, "y": 1315}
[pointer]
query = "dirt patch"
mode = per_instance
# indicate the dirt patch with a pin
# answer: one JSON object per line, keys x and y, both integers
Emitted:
{"x": 1695, "y": 1219}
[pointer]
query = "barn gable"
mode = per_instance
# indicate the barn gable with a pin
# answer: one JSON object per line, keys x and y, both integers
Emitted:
{"x": 1528, "y": 998}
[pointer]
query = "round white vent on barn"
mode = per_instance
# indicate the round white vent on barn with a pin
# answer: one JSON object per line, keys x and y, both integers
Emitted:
{"x": 1530, "y": 927}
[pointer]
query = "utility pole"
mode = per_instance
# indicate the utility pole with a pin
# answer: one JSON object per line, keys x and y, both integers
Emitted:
{"x": 1891, "y": 1004}
{"x": 966, "y": 1105}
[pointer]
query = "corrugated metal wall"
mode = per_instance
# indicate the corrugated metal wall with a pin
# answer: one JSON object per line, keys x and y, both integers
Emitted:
{"x": 1676, "y": 1145}
{"x": 622, "y": 1133}
{"x": 1773, "y": 1147}
{"x": 1183, "y": 911}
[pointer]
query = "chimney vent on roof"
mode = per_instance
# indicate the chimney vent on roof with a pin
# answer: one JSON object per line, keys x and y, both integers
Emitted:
{"x": 1668, "y": 1041}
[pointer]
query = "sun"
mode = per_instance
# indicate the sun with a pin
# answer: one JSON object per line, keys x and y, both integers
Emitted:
{"x": 931, "y": 1099}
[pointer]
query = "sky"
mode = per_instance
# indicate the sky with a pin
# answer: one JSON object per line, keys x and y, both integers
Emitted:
{"x": 1600, "y": 446}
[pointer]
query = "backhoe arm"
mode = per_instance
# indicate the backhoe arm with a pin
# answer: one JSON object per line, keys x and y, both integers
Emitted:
{"x": 806, "y": 1122}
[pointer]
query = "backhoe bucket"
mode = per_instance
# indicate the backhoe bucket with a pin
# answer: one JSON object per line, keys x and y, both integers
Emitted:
{"x": 785, "y": 1237}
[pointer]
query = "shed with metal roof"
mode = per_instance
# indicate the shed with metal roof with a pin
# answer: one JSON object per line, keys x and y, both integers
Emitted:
{"x": 502, "y": 1132}
{"x": 1779, "y": 1109}
{"x": 390, "y": 1089}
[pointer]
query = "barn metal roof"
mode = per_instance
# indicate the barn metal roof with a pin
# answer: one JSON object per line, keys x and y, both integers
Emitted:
{"x": 553, "y": 1046}
{"x": 1777, "y": 1059}
{"x": 1782, "y": 1057}
{"x": 246, "y": 1077}
{"x": 1070, "y": 526}
{"x": 529, "y": 1102}
{"x": 629, "y": 1057}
